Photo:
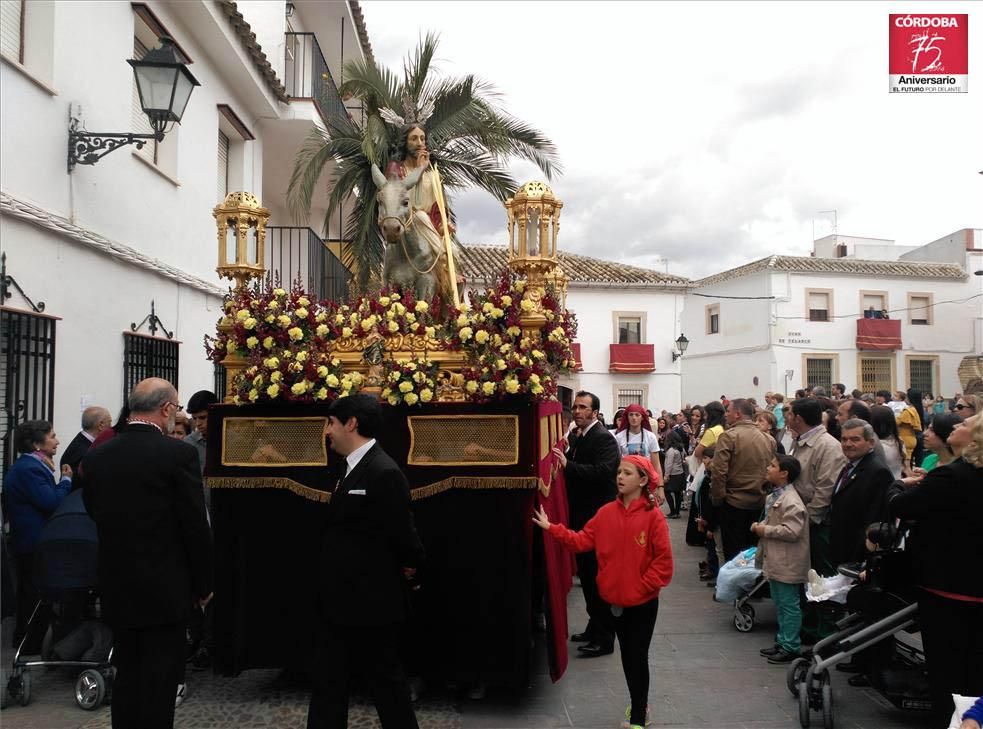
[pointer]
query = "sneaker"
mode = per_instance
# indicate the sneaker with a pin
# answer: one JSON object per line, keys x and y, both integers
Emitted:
{"x": 783, "y": 656}
{"x": 768, "y": 652}
{"x": 626, "y": 724}
{"x": 202, "y": 660}
{"x": 182, "y": 692}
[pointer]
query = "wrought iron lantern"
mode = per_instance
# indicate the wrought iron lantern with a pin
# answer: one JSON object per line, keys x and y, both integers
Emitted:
{"x": 682, "y": 343}
{"x": 241, "y": 224}
{"x": 164, "y": 84}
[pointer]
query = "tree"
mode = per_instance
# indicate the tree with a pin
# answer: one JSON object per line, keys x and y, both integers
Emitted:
{"x": 469, "y": 136}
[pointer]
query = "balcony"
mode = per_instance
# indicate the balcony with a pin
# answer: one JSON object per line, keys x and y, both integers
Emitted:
{"x": 879, "y": 334}
{"x": 307, "y": 77}
{"x": 294, "y": 253}
{"x": 635, "y": 358}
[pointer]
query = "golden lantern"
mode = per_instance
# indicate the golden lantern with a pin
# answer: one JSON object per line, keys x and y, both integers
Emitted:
{"x": 241, "y": 224}
{"x": 534, "y": 223}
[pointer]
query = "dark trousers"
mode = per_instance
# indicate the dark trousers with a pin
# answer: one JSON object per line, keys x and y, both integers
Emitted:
{"x": 148, "y": 662}
{"x": 343, "y": 650}
{"x": 674, "y": 493}
{"x": 600, "y": 626}
{"x": 713, "y": 562}
{"x": 952, "y": 635}
{"x": 27, "y": 598}
{"x": 818, "y": 622}
{"x": 735, "y": 525}
{"x": 634, "y": 628}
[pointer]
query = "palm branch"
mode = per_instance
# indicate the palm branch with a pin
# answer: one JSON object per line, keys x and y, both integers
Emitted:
{"x": 470, "y": 138}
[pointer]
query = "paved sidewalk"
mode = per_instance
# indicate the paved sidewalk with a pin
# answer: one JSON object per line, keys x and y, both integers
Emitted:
{"x": 705, "y": 674}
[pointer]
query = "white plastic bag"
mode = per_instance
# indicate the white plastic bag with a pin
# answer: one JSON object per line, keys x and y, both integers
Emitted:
{"x": 737, "y": 577}
{"x": 819, "y": 589}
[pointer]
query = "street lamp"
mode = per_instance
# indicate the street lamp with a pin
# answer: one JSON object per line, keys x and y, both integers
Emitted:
{"x": 165, "y": 85}
{"x": 682, "y": 343}
{"x": 789, "y": 374}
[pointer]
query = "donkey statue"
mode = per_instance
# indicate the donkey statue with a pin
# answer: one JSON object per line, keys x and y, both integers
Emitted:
{"x": 409, "y": 260}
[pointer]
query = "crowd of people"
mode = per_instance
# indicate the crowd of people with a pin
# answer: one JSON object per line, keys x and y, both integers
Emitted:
{"x": 814, "y": 482}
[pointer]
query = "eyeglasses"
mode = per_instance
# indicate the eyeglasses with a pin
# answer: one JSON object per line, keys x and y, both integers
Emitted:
{"x": 177, "y": 408}
{"x": 964, "y": 407}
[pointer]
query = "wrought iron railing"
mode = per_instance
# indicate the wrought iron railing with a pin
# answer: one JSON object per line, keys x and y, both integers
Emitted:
{"x": 294, "y": 253}
{"x": 306, "y": 75}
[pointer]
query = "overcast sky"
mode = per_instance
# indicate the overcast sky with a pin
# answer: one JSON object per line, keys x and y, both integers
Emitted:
{"x": 701, "y": 136}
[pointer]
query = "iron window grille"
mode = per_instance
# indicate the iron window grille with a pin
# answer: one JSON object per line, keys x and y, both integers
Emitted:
{"x": 145, "y": 356}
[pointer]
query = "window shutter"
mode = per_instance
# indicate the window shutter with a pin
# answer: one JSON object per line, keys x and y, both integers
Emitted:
{"x": 223, "y": 166}
{"x": 141, "y": 124}
{"x": 10, "y": 21}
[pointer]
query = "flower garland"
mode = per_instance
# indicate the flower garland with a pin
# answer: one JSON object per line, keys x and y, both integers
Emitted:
{"x": 410, "y": 382}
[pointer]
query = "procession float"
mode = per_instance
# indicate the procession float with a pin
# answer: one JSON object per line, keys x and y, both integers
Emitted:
{"x": 468, "y": 380}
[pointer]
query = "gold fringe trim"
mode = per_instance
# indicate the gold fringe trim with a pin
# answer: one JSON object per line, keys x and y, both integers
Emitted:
{"x": 259, "y": 482}
{"x": 509, "y": 483}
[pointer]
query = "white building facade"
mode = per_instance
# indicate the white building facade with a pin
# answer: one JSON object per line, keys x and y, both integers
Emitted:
{"x": 103, "y": 245}
{"x": 784, "y": 322}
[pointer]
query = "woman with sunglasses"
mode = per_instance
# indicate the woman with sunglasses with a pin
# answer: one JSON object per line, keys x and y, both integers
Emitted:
{"x": 969, "y": 405}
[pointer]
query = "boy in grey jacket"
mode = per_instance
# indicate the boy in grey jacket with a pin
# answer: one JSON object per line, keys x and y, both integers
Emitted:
{"x": 783, "y": 553}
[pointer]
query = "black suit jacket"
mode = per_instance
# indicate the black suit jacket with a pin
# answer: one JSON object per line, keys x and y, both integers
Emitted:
{"x": 144, "y": 492}
{"x": 73, "y": 457}
{"x": 860, "y": 502}
{"x": 369, "y": 537}
{"x": 591, "y": 473}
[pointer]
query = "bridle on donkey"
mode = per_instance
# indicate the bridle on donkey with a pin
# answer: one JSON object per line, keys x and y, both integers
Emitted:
{"x": 405, "y": 224}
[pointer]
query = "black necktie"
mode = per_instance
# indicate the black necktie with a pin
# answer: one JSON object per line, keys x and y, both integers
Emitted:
{"x": 842, "y": 477}
{"x": 343, "y": 471}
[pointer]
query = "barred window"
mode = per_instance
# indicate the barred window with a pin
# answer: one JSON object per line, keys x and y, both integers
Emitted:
{"x": 875, "y": 374}
{"x": 920, "y": 375}
{"x": 145, "y": 357}
{"x": 819, "y": 372}
{"x": 220, "y": 380}
{"x": 629, "y": 397}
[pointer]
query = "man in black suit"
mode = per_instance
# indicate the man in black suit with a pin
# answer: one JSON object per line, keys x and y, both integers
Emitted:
{"x": 590, "y": 468}
{"x": 95, "y": 419}
{"x": 859, "y": 494}
{"x": 370, "y": 550}
{"x": 144, "y": 492}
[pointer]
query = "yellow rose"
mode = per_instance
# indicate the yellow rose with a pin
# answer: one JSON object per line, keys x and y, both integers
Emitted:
{"x": 302, "y": 355}
{"x": 534, "y": 377}
{"x": 322, "y": 330}
{"x": 487, "y": 307}
{"x": 411, "y": 366}
{"x": 506, "y": 300}
{"x": 520, "y": 286}
{"x": 230, "y": 346}
{"x": 383, "y": 301}
{"x": 400, "y": 309}
{"x": 272, "y": 363}
{"x": 367, "y": 324}
{"x": 426, "y": 394}
{"x": 411, "y": 398}
{"x": 268, "y": 343}
{"x": 393, "y": 400}
{"x": 386, "y": 392}
{"x": 405, "y": 386}
{"x": 339, "y": 319}
{"x": 465, "y": 334}
{"x": 273, "y": 390}
{"x": 272, "y": 306}
{"x": 526, "y": 305}
{"x": 472, "y": 386}
{"x": 250, "y": 323}
{"x": 346, "y": 332}
{"x": 304, "y": 301}
{"x": 393, "y": 327}
{"x": 322, "y": 394}
{"x": 257, "y": 380}
{"x": 431, "y": 332}
{"x": 242, "y": 314}
{"x": 505, "y": 348}
{"x": 332, "y": 380}
{"x": 269, "y": 319}
{"x": 538, "y": 354}
{"x": 288, "y": 354}
{"x": 322, "y": 316}
{"x": 253, "y": 394}
{"x": 301, "y": 313}
{"x": 536, "y": 389}
{"x": 283, "y": 320}
{"x": 419, "y": 377}
{"x": 295, "y": 334}
{"x": 488, "y": 388}
{"x": 276, "y": 376}
{"x": 279, "y": 292}
{"x": 514, "y": 331}
{"x": 481, "y": 336}
{"x": 251, "y": 342}
{"x": 322, "y": 371}
{"x": 353, "y": 319}
{"x": 296, "y": 367}
{"x": 497, "y": 313}
{"x": 411, "y": 317}
{"x": 511, "y": 385}
{"x": 422, "y": 306}
{"x": 299, "y": 388}
{"x": 335, "y": 362}
{"x": 500, "y": 364}
{"x": 462, "y": 320}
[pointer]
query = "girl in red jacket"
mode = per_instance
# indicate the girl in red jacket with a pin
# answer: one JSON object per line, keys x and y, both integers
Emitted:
{"x": 634, "y": 562}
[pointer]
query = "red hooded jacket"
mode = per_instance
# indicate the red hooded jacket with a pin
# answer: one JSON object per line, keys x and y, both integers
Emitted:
{"x": 634, "y": 556}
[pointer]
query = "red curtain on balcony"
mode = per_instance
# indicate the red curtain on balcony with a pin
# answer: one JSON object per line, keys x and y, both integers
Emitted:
{"x": 632, "y": 358}
{"x": 578, "y": 362}
{"x": 883, "y": 334}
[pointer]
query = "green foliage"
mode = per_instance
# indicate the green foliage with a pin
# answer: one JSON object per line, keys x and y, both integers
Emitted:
{"x": 471, "y": 138}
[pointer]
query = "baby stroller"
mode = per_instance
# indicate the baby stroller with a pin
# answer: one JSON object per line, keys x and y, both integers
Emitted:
{"x": 66, "y": 615}
{"x": 743, "y": 609}
{"x": 895, "y": 667}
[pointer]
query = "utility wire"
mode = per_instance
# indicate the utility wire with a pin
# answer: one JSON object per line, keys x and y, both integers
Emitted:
{"x": 892, "y": 311}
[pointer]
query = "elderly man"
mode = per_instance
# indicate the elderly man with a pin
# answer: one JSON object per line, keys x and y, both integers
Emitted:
{"x": 737, "y": 473}
{"x": 143, "y": 490}
{"x": 859, "y": 495}
{"x": 95, "y": 419}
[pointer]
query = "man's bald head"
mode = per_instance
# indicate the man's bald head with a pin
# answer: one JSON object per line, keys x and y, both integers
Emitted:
{"x": 96, "y": 419}
{"x": 150, "y": 397}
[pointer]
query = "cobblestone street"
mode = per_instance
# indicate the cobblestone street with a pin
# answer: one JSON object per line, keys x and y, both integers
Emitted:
{"x": 705, "y": 674}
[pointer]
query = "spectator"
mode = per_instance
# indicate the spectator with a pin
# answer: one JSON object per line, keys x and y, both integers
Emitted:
{"x": 737, "y": 474}
{"x": 856, "y": 394}
{"x": 198, "y": 406}
{"x": 632, "y": 577}
{"x": 182, "y": 427}
{"x": 939, "y": 407}
{"x": 818, "y": 391}
{"x": 839, "y": 391}
{"x": 143, "y": 490}
{"x": 779, "y": 399}
{"x": 829, "y": 418}
{"x": 857, "y": 409}
{"x": 590, "y": 466}
{"x": 635, "y": 437}
{"x": 859, "y": 496}
{"x": 897, "y": 402}
{"x": 967, "y": 406}
{"x": 95, "y": 419}
{"x": 936, "y": 441}
{"x": 911, "y": 423}
{"x": 31, "y": 494}
{"x": 713, "y": 427}
{"x": 886, "y": 429}
{"x": 675, "y": 472}
{"x": 947, "y": 554}
{"x": 820, "y": 459}
{"x": 883, "y": 397}
{"x": 868, "y": 398}
{"x": 697, "y": 424}
{"x": 707, "y": 521}
{"x": 118, "y": 427}
{"x": 783, "y": 553}
{"x": 768, "y": 425}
